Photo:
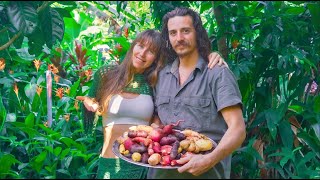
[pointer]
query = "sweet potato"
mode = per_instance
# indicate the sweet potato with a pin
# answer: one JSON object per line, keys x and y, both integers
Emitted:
{"x": 138, "y": 148}
{"x": 166, "y": 140}
{"x": 156, "y": 147}
{"x": 167, "y": 129}
{"x": 179, "y": 135}
{"x": 174, "y": 150}
{"x": 166, "y": 150}
{"x": 132, "y": 134}
{"x": 128, "y": 143}
{"x": 165, "y": 160}
{"x": 145, "y": 157}
{"x": 156, "y": 135}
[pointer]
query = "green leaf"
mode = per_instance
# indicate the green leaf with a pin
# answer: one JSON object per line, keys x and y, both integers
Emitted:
{"x": 64, "y": 153}
{"x": 286, "y": 133}
{"x": 74, "y": 88}
{"x": 3, "y": 113}
{"x": 72, "y": 30}
{"x": 67, "y": 141}
{"x": 312, "y": 141}
{"x": 52, "y": 25}
{"x": 273, "y": 117}
{"x": 30, "y": 91}
{"x": 6, "y": 161}
{"x": 57, "y": 151}
{"x": 23, "y": 16}
{"x": 316, "y": 105}
{"x": 315, "y": 14}
{"x": 30, "y": 120}
{"x": 38, "y": 161}
{"x": 36, "y": 42}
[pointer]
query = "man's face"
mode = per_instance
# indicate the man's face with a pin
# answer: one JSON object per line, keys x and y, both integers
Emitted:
{"x": 182, "y": 35}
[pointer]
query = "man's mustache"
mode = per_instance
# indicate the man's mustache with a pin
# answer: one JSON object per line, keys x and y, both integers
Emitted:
{"x": 182, "y": 43}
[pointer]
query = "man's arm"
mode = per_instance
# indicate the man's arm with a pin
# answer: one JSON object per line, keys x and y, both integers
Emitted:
{"x": 231, "y": 140}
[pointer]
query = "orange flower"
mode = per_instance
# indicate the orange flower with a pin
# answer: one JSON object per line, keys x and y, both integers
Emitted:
{"x": 67, "y": 90}
{"x": 52, "y": 68}
{"x": 15, "y": 88}
{"x": 76, "y": 105}
{"x": 126, "y": 32}
{"x": 56, "y": 78}
{"x": 59, "y": 92}
{"x": 11, "y": 72}
{"x": 2, "y": 64}
{"x": 88, "y": 73}
{"x": 67, "y": 117}
{"x": 39, "y": 90}
{"x": 37, "y": 64}
{"x": 235, "y": 44}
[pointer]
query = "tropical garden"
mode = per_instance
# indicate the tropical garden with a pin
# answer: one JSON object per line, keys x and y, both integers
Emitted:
{"x": 49, "y": 51}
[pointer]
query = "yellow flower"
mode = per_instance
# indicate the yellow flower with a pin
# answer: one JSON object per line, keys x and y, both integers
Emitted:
{"x": 37, "y": 64}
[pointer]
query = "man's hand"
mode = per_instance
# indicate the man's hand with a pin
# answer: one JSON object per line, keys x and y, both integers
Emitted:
{"x": 196, "y": 164}
{"x": 89, "y": 103}
{"x": 215, "y": 58}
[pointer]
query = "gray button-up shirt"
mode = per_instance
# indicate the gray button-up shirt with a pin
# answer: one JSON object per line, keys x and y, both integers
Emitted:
{"x": 198, "y": 102}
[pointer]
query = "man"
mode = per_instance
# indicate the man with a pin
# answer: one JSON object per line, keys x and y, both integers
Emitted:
{"x": 209, "y": 101}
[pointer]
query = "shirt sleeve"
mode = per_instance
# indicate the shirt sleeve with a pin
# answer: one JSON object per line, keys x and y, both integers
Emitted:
{"x": 226, "y": 90}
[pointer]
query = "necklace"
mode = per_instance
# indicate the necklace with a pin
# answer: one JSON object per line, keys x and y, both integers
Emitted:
{"x": 138, "y": 85}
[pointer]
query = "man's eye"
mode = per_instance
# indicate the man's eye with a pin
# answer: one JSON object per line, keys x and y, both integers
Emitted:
{"x": 172, "y": 33}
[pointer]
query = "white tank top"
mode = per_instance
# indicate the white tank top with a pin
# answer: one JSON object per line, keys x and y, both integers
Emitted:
{"x": 135, "y": 111}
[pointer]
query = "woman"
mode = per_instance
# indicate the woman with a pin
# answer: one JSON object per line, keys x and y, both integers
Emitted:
{"x": 123, "y": 95}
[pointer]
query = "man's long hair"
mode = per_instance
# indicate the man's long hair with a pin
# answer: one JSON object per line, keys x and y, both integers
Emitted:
{"x": 203, "y": 41}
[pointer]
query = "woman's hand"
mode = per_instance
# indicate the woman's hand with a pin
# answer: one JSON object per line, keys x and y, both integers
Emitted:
{"x": 89, "y": 103}
{"x": 215, "y": 58}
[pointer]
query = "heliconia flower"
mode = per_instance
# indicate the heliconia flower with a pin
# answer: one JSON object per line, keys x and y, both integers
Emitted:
{"x": 45, "y": 124}
{"x": 56, "y": 78}
{"x": 88, "y": 73}
{"x": 67, "y": 90}
{"x": 39, "y": 90}
{"x": 2, "y": 64}
{"x": 76, "y": 105}
{"x": 67, "y": 117}
{"x": 11, "y": 71}
{"x": 126, "y": 32}
{"x": 53, "y": 68}
{"x": 37, "y": 64}
{"x": 15, "y": 88}
{"x": 59, "y": 92}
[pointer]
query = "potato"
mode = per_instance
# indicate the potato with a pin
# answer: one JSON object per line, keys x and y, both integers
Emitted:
{"x": 204, "y": 144}
{"x": 136, "y": 157}
{"x": 184, "y": 144}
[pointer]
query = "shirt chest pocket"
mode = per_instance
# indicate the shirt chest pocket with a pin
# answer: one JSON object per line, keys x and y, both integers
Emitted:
{"x": 198, "y": 113}
{"x": 163, "y": 107}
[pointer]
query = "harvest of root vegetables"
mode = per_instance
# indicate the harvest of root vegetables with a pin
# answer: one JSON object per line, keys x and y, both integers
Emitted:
{"x": 162, "y": 145}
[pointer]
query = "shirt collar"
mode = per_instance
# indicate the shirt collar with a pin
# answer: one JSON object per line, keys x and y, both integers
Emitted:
{"x": 201, "y": 64}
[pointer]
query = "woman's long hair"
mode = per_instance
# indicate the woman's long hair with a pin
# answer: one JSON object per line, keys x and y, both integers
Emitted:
{"x": 203, "y": 41}
{"x": 116, "y": 79}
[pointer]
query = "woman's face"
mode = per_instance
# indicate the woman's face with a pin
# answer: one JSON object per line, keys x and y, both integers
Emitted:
{"x": 142, "y": 56}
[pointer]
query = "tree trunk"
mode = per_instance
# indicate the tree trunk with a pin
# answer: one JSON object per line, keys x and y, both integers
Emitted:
{"x": 222, "y": 40}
